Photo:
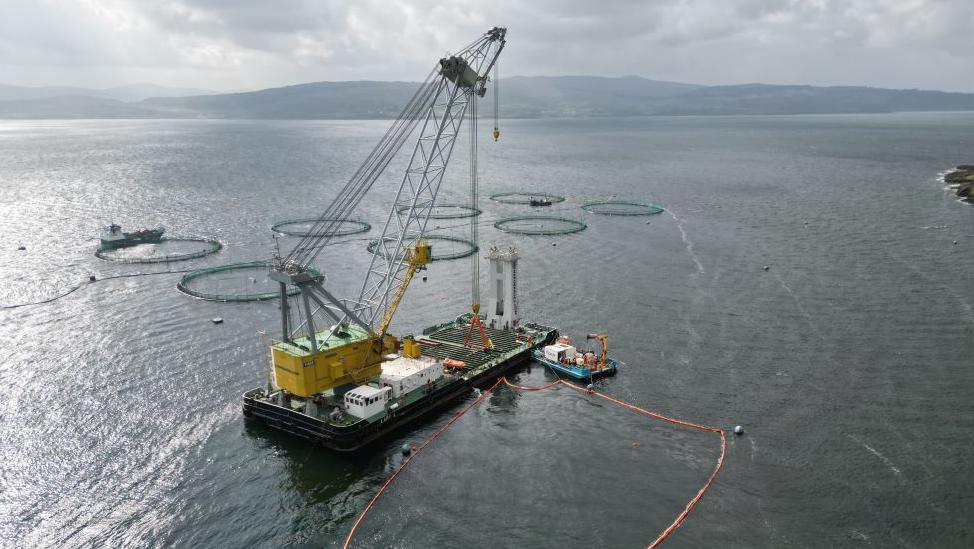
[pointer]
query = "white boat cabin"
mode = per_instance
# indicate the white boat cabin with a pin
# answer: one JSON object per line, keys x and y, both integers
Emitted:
{"x": 559, "y": 352}
{"x": 365, "y": 401}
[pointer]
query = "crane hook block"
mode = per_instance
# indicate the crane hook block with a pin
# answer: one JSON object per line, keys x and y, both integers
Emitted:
{"x": 497, "y": 133}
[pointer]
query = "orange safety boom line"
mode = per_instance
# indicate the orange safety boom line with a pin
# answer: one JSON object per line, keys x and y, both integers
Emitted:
{"x": 659, "y": 539}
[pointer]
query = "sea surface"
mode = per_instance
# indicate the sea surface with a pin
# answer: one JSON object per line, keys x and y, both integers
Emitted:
{"x": 849, "y": 361}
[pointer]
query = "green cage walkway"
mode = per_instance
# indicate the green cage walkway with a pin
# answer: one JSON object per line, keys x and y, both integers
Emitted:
{"x": 621, "y": 207}
{"x": 539, "y": 225}
{"x": 467, "y": 247}
{"x": 185, "y": 283}
{"x": 448, "y": 211}
{"x": 525, "y": 197}
{"x": 118, "y": 255}
{"x": 292, "y": 227}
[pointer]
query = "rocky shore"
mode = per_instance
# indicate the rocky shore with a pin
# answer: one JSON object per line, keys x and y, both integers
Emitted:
{"x": 961, "y": 180}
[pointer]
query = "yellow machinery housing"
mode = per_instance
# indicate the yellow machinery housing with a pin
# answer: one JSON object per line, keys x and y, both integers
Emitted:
{"x": 354, "y": 355}
{"x": 352, "y": 359}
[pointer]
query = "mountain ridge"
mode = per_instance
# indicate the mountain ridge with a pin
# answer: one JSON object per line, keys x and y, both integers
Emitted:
{"x": 520, "y": 96}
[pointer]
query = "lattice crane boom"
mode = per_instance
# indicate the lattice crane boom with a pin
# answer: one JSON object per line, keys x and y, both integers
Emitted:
{"x": 437, "y": 111}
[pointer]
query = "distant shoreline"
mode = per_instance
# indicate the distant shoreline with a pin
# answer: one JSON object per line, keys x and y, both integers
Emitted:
{"x": 520, "y": 98}
{"x": 961, "y": 181}
{"x": 485, "y": 117}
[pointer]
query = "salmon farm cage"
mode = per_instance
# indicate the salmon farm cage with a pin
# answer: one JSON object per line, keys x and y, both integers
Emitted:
{"x": 621, "y": 207}
{"x": 539, "y": 225}
{"x": 466, "y": 247}
{"x": 447, "y": 211}
{"x": 526, "y": 197}
{"x": 148, "y": 253}
{"x": 190, "y": 283}
{"x": 303, "y": 226}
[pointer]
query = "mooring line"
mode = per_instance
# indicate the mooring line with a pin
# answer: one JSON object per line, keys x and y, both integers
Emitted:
{"x": 655, "y": 543}
{"x": 85, "y": 284}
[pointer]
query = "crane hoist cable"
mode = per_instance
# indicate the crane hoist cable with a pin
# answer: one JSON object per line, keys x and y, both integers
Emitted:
{"x": 497, "y": 84}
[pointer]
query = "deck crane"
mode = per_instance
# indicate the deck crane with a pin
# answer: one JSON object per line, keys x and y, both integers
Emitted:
{"x": 603, "y": 341}
{"x": 308, "y": 360}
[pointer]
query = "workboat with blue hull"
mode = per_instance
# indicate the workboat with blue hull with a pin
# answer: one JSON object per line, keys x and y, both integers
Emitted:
{"x": 428, "y": 373}
{"x": 564, "y": 358}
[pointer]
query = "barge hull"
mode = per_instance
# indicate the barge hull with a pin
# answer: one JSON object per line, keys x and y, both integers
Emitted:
{"x": 351, "y": 438}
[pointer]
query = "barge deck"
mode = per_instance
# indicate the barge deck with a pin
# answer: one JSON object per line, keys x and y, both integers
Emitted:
{"x": 320, "y": 419}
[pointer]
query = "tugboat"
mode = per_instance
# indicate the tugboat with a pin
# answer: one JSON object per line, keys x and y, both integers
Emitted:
{"x": 564, "y": 358}
{"x": 543, "y": 201}
{"x": 113, "y": 237}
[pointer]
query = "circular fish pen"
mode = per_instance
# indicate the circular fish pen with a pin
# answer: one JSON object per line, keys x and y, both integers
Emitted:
{"x": 539, "y": 225}
{"x": 304, "y": 225}
{"x": 526, "y": 197}
{"x": 621, "y": 207}
{"x": 466, "y": 247}
{"x": 210, "y": 283}
{"x": 448, "y": 211}
{"x": 165, "y": 251}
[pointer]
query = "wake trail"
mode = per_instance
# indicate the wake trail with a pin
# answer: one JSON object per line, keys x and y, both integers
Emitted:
{"x": 686, "y": 241}
{"x": 876, "y": 453}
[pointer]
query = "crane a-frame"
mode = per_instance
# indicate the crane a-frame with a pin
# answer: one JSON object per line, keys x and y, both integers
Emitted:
{"x": 308, "y": 360}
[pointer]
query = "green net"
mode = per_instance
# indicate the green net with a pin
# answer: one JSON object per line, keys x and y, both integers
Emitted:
{"x": 164, "y": 251}
{"x": 449, "y": 247}
{"x": 302, "y": 226}
{"x": 526, "y": 197}
{"x": 539, "y": 225}
{"x": 448, "y": 211}
{"x": 211, "y": 283}
{"x": 621, "y": 207}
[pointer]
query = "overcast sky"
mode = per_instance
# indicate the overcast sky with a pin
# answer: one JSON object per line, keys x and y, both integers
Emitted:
{"x": 249, "y": 44}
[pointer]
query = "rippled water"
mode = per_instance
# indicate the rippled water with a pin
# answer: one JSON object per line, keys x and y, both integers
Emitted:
{"x": 849, "y": 360}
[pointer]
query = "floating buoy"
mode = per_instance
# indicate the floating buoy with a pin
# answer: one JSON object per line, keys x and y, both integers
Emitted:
{"x": 554, "y": 243}
{"x": 218, "y": 320}
{"x": 476, "y": 391}
{"x": 406, "y": 449}
{"x": 738, "y": 430}
{"x": 635, "y": 444}
{"x": 424, "y": 279}
{"x": 92, "y": 278}
{"x": 766, "y": 267}
{"x": 955, "y": 243}
{"x": 590, "y": 387}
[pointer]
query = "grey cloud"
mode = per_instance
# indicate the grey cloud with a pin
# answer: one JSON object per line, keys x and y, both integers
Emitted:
{"x": 255, "y": 43}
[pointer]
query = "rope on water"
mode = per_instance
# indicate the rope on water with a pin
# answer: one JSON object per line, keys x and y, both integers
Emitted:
{"x": 84, "y": 284}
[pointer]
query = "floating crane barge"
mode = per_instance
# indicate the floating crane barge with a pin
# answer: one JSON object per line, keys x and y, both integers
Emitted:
{"x": 344, "y": 432}
{"x": 349, "y": 384}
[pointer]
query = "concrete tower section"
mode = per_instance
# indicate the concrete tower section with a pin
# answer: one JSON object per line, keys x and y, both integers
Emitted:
{"x": 501, "y": 304}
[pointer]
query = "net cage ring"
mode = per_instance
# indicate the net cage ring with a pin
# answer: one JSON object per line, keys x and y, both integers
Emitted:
{"x": 525, "y": 197}
{"x": 212, "y": 247}
{"x": 184, "y": 283}
{"x": 622, "y": 207}
{"x": 568, "y": 225}
{"x": 463, "y": 211}
{"x": 470, "y": 247}
{"x": 355, "y": 226}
